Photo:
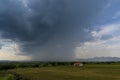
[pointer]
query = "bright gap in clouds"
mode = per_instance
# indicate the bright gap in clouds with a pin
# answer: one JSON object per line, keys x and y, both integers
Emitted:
{"x": 10, "y": 50}
{"x": 100, "y": 46}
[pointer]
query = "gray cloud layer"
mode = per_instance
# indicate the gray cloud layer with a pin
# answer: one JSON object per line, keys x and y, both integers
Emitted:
{"x": 48, "y": 29}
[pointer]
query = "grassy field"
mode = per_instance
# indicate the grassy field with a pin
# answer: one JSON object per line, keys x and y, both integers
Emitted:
{"x": 87, "y": 72}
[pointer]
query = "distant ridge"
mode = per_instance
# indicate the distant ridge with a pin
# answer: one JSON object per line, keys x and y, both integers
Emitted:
{"x": 101, "y": 59}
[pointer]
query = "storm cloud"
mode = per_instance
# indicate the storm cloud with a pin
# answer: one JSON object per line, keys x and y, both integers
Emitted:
{"x": 48, "y": 29}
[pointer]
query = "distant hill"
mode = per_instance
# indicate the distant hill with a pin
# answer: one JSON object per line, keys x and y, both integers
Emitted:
{"x": 95, "y": 59}
{"x": 4, "y": 61}
{"x": 101, "y": 59}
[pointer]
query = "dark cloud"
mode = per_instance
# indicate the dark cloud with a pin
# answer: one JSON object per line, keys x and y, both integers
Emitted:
{"x": 48, "y": 29}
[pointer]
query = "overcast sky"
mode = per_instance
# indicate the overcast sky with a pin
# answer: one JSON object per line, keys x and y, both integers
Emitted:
{"x": 59, "y": 30}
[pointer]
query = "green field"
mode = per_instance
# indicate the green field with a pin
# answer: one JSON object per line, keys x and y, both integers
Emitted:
{"x": 87, "y": 72}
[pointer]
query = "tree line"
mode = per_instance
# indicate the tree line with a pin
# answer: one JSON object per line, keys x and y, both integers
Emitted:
{"x": 13, "y": 65}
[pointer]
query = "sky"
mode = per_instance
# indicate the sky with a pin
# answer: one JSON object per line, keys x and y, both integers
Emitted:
{"x": 59, "y": 30}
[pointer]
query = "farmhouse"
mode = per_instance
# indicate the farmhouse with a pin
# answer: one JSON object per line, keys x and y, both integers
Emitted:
{"x": 78, "y": 64}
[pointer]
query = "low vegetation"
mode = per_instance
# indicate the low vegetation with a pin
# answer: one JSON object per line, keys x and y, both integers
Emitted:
{"x": 7, "y": 77}
{"x": 60, "y": 71}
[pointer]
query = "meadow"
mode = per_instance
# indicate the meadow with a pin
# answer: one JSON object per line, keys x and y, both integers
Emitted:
{"x": 90, "y": 71}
